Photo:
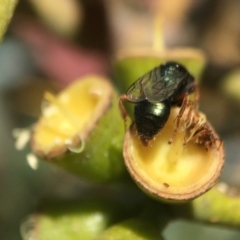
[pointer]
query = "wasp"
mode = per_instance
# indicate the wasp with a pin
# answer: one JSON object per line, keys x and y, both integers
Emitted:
{"x": 154, "y": 94}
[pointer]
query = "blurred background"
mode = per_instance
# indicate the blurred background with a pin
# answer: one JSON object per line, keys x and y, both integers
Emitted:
{"x": 51, "y": 43}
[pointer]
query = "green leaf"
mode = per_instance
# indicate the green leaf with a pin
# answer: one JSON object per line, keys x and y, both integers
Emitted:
{"x": 6, "y": 11}
{"x": 132, "y": 229}
{"x": 83, "y": 220}
{"x": 132, "y": 65}
{"x": 220, "y": 205}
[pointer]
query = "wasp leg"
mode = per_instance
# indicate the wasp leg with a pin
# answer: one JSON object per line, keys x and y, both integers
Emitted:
{"x": 123, "y": 111}
{"x": 220, "y": 144}
{"x": 184, "y": 105}
{"x": 204, "y": 136}
{"x": 190, "y": 117}
{"x": 196, "y": 95}
{"x": 188, "y": 121}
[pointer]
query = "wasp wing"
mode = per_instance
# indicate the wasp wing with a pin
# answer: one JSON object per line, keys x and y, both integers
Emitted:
{"x": 135, "y": 91}
{"x": 155, "y": 86}
{"x": 142, "y": 89}
{"x": 159, "y": 87}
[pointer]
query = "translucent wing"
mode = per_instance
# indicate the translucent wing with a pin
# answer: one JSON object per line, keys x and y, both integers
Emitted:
{"x": 157, "y": 85}
{"x": 135, "y": 92}
{"x": 162, "y": 86}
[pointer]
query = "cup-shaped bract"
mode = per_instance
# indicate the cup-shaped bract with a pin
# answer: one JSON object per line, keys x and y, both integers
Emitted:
{"x": 81, "y": 130}
{"x": 182, "y": 170}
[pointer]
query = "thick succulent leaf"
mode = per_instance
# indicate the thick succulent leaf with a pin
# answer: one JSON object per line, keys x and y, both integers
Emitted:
{"x": 6, "y": 11}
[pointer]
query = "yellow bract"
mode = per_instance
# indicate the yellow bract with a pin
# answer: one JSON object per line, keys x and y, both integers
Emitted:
{"x": 172, "y": 171}
{"x": 66, "y": 115}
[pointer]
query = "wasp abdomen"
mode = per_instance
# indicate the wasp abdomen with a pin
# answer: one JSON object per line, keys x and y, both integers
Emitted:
{"x": 150, "y": 118}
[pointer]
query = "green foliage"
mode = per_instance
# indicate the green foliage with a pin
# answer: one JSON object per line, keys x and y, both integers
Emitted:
{"x": 6, "y": 11}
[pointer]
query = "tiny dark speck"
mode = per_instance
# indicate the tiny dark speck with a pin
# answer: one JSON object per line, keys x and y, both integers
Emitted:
{"x": 166, "y": 185}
